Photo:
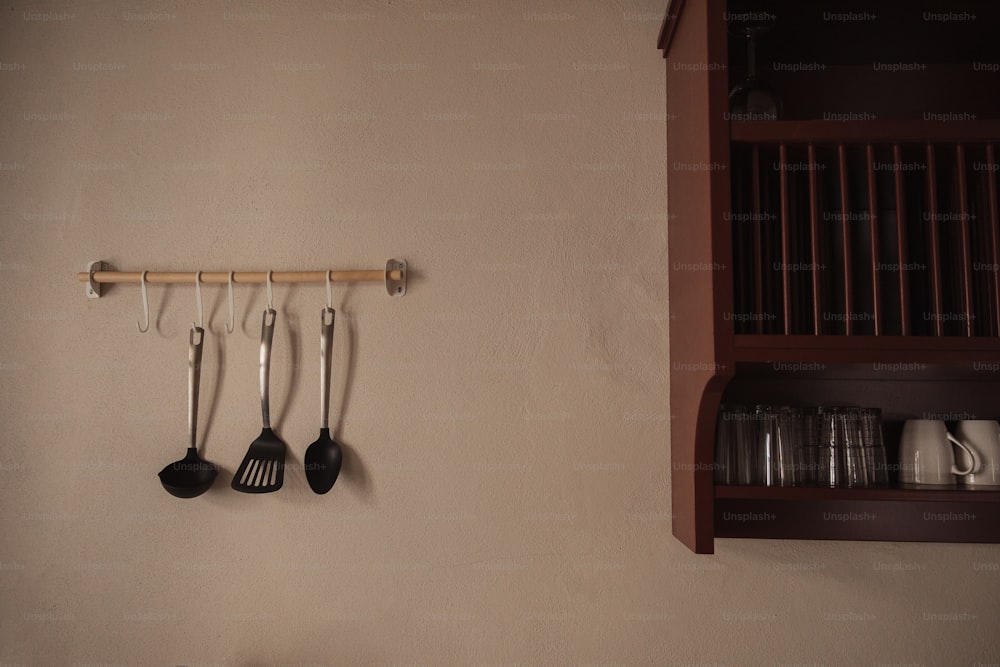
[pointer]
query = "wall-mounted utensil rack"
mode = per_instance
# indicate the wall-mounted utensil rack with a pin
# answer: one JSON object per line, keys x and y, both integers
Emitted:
{"x": 99, "y": 273}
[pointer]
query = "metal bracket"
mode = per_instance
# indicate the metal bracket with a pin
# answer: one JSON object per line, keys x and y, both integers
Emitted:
{"x": 395, "y": 287}
{"x": 94, "y": 288}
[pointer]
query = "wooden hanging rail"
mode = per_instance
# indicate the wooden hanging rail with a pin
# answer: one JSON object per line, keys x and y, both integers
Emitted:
{"x": 98, "y": 273}
{"x": 239, "y": 277}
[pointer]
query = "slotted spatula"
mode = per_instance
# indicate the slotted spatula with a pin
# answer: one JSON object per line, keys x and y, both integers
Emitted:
{"x": 263, "y": 468}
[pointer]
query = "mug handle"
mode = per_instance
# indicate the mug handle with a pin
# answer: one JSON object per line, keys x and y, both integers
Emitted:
{"x": 972, "y": 455}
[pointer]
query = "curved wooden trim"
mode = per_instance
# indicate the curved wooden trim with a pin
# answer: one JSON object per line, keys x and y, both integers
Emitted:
{"x": 669, "y": 25}
{"x": 692, "y": 478}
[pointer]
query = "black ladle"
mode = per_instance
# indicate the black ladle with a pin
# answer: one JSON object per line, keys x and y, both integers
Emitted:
{"x": 191, "y": 476}
{"x": 324, "y": 457}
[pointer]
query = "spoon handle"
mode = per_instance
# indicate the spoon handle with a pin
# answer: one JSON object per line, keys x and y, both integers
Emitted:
{"x": 194, "y": 382}
{"x": 325, "y": 354}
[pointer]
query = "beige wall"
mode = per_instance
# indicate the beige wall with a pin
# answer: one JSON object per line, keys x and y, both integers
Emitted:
{"x": 505, "y": 498}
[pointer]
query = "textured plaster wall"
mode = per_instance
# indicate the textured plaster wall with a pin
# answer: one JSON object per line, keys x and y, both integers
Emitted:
{"x": 505, "y": 498}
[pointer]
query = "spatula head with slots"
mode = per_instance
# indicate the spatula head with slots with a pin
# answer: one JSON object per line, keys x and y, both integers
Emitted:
{"x": 263, "y": 467}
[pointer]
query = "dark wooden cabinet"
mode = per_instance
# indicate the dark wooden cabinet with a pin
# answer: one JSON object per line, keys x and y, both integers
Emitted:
{"x": 845, "y": 253}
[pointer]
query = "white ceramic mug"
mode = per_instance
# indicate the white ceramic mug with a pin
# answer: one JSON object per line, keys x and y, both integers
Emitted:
{"x": 982, "y": 436}
{"x": 926, "y": 457}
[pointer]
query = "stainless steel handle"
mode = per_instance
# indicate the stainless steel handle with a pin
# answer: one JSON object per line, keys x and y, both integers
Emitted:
{"x": 325, "y": 354}
{"x": 194, "y": 382}
{"x": 266, "y": 336}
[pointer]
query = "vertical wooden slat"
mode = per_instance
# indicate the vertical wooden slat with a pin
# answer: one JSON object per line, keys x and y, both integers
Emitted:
{"x": 979, "y": 241}
{"x": 786, "y": 297}
{"x": 993, "y": 234}
{"x": 901, "y": 242}
{"x": 845, "y": 239}
{"x": 742, "y": 272}
{"x": 814, "y": 238}
{"x": 873, "y": 239}
{"x": 934, "y": 262}
{"x": 964, "y": 252}
{"x": 758, "y": 245}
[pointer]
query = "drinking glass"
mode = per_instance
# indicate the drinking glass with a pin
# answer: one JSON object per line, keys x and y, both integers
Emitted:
{"x": 746, "y": 428}
{"x": 735, "y": 446}
{"x": 832, "y": 438}
{"x": 752, "y": 99}
{"x": 851, "y": 449}
{"x": 779, "y": 437}
{"x": 871, "y": 439}
{"x": 725, "y": 447}
{"x": 808, "y": 470}
{"x": 857, "y": 472}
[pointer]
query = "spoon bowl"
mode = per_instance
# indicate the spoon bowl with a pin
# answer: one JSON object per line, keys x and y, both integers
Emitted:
{"x": 322, "y": 462}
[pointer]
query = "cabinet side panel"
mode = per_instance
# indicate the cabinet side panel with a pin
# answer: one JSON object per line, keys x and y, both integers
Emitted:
{"x": 700, "y": 264}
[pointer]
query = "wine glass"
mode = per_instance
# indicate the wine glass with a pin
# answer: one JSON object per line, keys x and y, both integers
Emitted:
{"x": 752, "y": 99}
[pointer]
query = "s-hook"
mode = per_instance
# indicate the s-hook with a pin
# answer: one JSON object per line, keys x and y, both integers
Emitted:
{"x": 231, "y": 324}
{"x": 197, "y": 293}
{"x": 270, "y": 294}
{"x": 329, "y": 292}
{"x": 145, "y": 306}
{"x": 328, "y": 312}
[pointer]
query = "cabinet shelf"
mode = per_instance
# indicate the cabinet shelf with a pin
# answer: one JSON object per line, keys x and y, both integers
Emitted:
{"x": 957, "y": 495}
{"x": 898, "y": 515}
{"x": 863, "y": 131}
{"x": 983, "y": 352}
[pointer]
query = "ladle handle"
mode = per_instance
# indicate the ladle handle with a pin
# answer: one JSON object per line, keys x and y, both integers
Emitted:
{"x": 194, "y": 382}
{"x": 266, "y": 336}
{"x": 325, "y": 361}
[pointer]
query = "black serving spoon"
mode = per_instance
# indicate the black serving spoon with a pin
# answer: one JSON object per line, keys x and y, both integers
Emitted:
{"x": 324, "y": 457}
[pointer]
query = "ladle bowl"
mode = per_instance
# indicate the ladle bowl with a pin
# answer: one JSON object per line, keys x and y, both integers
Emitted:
{"x": 190, "y": 477}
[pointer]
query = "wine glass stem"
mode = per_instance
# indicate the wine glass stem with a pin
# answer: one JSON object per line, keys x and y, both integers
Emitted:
{"x": 751, "y": 57}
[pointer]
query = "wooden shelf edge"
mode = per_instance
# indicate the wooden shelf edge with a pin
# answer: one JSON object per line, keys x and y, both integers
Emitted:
{"x": 958, "y": 495}
{"x": 865, "y": 349}
{"x": 985, "y": 343}
{"x": 919, "y": 520}
{"x": 875, "y": 131}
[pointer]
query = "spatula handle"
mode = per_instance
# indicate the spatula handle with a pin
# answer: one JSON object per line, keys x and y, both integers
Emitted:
{"x": 266, "y": 336}
{"x": 196, "y": 338}
{"x": 325, "y": 360}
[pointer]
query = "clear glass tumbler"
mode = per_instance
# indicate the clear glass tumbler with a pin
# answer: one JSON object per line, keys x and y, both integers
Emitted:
{"x": 871, "y": 439}
{"x": 779, "y": 438}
